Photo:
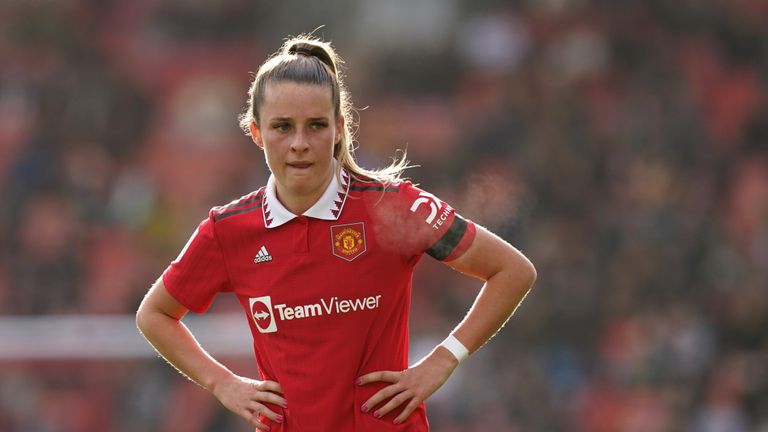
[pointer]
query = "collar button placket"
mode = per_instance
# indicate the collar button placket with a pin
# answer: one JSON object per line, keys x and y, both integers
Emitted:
{"x": 301, "y": 236}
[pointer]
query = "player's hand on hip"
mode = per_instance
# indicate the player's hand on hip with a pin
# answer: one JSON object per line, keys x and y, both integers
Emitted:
{"x": 411, "y": 386}
{"x": 246, "y": 397}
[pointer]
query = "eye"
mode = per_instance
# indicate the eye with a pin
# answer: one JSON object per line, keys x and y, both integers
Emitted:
{"x": 319, "y": 125}
{"x": 281, "y": 127}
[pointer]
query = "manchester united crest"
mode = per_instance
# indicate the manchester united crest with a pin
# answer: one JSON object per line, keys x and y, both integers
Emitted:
{"x": 348, "y": 241}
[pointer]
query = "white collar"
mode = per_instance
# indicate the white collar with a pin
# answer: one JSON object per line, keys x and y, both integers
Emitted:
{"x": 328, "y": 207}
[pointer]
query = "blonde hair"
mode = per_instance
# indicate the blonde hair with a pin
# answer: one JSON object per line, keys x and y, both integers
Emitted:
{"x": 309, "y": 60}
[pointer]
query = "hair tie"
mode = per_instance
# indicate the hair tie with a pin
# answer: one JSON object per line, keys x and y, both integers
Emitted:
{"x": 303, "y": 51}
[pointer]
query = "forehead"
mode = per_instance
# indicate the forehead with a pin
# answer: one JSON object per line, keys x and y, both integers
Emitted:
{"x": 291, "y": 99}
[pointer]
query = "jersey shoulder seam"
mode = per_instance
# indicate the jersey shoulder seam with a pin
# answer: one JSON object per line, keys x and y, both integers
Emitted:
{"x": 365, "y": 184}
{"x": 244, "y": 204}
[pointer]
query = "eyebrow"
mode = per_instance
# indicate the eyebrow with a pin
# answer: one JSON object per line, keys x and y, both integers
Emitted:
{"x": 290, "y": 119}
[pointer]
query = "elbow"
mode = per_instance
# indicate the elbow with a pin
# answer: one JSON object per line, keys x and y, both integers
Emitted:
{"x": 526, "y": 272}
{"x": 519, "y": 274}
{"x": 147, "y": 322}
{"x": 530, "y": 274}
{"x": 144, "y": 316}
{"x": 141, "y": 318}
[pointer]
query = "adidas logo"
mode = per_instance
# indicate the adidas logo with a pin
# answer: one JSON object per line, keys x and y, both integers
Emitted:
{"x": 262, "y": 256}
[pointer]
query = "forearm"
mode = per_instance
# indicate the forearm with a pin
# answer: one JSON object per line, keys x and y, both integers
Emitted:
{"x": 494, "y": 305}
{"x": 176, "y": 344}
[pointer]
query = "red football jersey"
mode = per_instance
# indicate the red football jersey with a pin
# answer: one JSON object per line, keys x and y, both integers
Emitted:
{"x": 326, "y": 294}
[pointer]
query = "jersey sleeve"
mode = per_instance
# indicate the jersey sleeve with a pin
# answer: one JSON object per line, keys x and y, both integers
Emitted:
{"x": 199, "y": 272}
{"x": 429, "y": 225}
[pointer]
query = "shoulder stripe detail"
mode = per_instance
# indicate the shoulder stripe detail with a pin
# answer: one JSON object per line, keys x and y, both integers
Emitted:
{"x": 443, "y": 248}
{"x": 236, "y": 206}
{"x": 238, "y": 211}
{"x": 373, "y": 188}
{"x": 239, "y": 203}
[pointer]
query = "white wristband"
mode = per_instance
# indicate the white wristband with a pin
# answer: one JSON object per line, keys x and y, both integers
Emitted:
{"x": 456, "y": 348}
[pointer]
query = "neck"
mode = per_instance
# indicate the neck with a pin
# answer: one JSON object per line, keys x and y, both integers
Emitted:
{"x": 298, "y": 203}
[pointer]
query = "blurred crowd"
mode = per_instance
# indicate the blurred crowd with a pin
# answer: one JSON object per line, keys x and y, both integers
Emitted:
{"x": 621, "y": 145}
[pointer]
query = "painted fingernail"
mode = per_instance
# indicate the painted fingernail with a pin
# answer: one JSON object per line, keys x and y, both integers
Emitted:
{"x": 285, "y": 404}
{"x": 377, "y": 414}
{"x": 279, "y": 418}
{"x": 364, "y": 408}
{"x": 359, "y": 381}
{"x": 397, "y": 421}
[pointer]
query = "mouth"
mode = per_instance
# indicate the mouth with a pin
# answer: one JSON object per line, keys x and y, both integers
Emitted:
{"x": 300, "y": 164}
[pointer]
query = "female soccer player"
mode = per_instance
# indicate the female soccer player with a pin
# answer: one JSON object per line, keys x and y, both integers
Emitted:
{"x": 321, "y": 260}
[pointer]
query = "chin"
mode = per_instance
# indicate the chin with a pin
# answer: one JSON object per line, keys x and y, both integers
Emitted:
{"x": 304, "y": 185}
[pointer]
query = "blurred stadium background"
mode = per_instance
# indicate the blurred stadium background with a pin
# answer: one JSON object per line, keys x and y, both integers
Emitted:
{"x": 622, "y": 145}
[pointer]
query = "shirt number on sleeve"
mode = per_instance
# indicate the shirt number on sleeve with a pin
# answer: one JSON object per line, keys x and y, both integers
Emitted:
{"x": 429, "y": 199}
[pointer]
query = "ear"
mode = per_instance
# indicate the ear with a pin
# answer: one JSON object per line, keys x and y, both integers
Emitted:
{"x": 339, "y": 129}
{"x": 256, "y": 134}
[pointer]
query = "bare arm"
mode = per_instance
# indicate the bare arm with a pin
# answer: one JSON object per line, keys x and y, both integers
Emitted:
{"x": 508, "y": 275}
{"x": 159, "y": 320}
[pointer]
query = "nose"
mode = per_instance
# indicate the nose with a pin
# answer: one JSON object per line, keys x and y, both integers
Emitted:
{"x": 299, "y": 143}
